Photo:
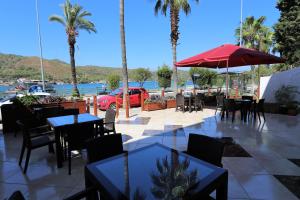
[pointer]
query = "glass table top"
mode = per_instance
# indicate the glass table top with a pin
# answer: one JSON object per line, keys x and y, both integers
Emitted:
{"x": 154, "y": 172}
{"x": 72, "y": 119}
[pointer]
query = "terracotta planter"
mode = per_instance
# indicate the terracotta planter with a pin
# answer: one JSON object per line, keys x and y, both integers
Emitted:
{"x": 80, "y": 104}
{"x": 153, "y": 106}
{"x": 171, "y": 103}
{"x": 292, "y": 112}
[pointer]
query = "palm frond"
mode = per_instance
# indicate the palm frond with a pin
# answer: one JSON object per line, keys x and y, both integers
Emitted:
{"x": 85, "y": 25}
{"x": 57, "y": 18}
{"x": 157, "y": 7}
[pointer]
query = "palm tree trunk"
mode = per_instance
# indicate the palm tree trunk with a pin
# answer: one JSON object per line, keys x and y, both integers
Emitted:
{"x": 73, "y": 70}
{"x": 174, "y": 14}
{"x": 124, "y": 60}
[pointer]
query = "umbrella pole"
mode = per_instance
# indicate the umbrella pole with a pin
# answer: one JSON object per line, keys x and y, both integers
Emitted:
{"x": 227, "y": 80}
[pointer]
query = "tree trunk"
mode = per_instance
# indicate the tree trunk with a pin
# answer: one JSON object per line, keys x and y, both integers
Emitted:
{"x": 73, "y": 70}
{"x": 124, "y": 60}
{"x": 174, "y": 15}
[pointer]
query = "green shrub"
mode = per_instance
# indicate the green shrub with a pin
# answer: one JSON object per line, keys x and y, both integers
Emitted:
{"x": 141, "y": 75}
{"x": 113, "y": 81}
{"x": 164, "y": 74}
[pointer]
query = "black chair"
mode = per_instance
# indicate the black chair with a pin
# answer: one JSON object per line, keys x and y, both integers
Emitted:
{"x": 75, "y": 138}
{"x": 205, "y": 148}
{"x": 34, "y": 136}
{"x": 17, "y": 195}
{"x": 259, "y": 108}
{"x": 109, "y": 122}
{"x": 229, "y": 107}
{"x": 180, "y": 103}
{"x": 198, "y": 103}
{"x": 220, "y": 103}
{"x": 98, "y": 149}
{"x": 104, "y": 147}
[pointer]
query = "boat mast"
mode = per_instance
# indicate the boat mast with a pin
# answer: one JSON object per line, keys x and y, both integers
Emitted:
{"x": 40, "y": 44}
{"x": 241, "y": 25}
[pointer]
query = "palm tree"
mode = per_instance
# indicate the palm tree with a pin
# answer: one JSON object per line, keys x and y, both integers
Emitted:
{"x": 174, "y": 6}
{"x": 73, "y": 20}
{"x": 124, "y": 60}
{"x": 255, "y": 35}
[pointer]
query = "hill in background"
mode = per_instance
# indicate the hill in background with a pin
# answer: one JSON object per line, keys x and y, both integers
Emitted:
{"x": 13, "y": 67}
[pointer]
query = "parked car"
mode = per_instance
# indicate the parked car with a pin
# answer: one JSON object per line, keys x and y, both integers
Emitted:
{"x": 109, "y": 101}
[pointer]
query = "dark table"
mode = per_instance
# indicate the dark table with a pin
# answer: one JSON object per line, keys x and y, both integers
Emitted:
{"x": 244, "y": 105}
{"x": 63, "y": 122}
{"x": 136, "y": 175}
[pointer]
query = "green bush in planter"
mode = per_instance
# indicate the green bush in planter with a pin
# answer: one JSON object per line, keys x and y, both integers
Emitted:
{"x": 164, "y": 74}
{"x": 28, "y": 100}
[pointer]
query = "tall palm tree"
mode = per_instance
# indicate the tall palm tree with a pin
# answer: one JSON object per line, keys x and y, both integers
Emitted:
{"x": 124, "y": 59}
{"x": 255, "y": 35}
{"x": 73, "y": 20}
{"x": 174, "y": 7}
{"x": 250, "y": 33}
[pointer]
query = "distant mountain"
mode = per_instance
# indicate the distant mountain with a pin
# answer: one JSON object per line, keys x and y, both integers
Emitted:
{"x": 13, "y": 67}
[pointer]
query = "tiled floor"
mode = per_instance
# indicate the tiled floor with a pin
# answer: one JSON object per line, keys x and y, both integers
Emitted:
{"x": 270, "y": 145}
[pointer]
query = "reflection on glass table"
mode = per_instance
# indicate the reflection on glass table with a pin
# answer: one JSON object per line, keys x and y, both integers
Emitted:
{"x": 156, "y": 172}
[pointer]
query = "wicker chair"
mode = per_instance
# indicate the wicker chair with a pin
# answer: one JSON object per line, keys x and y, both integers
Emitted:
{"x": 205, "y": 148}
{"x": 34, "y": 137}
{"x": 180, "y": 102}
{"x": 109, "y": 122}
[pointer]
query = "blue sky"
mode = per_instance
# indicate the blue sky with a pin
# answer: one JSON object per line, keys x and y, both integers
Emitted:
{"x": 210, "y": 24}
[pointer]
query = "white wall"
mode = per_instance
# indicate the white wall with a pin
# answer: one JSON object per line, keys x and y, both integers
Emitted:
{"x": 270, "y": 84}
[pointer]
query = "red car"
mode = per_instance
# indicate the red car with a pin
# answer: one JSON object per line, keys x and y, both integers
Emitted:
{"x": 109, "y": 101}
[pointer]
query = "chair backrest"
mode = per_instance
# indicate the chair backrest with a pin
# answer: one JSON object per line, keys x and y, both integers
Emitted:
{"x": 197, "y": 99}
{"x": 206, "y": 148}
{"x": 179, "y": 100}
{"x": 220, "y": 100}
{"x": 17, "y": 195}
{"x": 25, "y": 125}
{"x": 248, "y": 97}
{"x": 77, "y": 135}
{"x": 104, "y": 147}
{"x": 260, "y": 104}
{"x": 201, "y": 95}
{"x": 229, "y": 104}
{"x": 71, "y": 111}
{"x": 110, "y": 116}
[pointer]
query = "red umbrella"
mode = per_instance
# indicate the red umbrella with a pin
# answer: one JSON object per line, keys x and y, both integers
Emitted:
{"x": 229, "y": 55}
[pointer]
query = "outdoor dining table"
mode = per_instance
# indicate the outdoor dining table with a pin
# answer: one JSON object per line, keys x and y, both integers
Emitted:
{"x": 147, "y": 173}
{"x": 63, "y": 122}
{"x": 243, "y": 103}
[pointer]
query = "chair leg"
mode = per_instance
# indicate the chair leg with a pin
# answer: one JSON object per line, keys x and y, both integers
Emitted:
{"x": 51, "y": 149}
{"x": 69, "y": 158}
{"x": 21, "y": 155}
{"x": 27, "y": 160}
{"x": 263, "y": 114}
{"x": 258, "y": 116}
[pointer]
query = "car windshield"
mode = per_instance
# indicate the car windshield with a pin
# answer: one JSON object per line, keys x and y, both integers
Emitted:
{"x": 115, "y": 92}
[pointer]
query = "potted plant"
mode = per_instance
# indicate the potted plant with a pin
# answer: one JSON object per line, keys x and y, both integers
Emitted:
{"x": 285, "y": 96}
{"x": 154, "y": 103}
{"x": 171, "y": 102}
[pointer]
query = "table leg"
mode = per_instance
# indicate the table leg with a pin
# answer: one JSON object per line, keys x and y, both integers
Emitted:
{"x": 59, "y": 156}
{"x": 222, "y": 190}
